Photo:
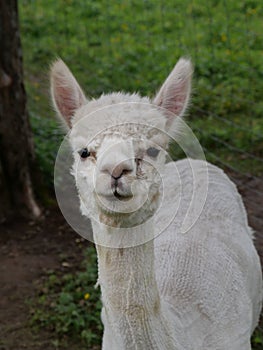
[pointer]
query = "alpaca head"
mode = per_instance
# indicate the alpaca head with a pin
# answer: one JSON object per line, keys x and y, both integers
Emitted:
{"x": 119, "y": 143}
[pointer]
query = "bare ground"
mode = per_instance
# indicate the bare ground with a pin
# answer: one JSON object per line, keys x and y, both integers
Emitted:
{"x": 29, "y": 249}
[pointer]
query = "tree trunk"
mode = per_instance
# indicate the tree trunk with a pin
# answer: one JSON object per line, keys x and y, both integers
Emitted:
{"x": 17, "y": 160}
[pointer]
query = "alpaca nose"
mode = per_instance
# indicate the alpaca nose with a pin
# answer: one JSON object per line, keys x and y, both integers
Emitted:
{"x": 118, "y": 170}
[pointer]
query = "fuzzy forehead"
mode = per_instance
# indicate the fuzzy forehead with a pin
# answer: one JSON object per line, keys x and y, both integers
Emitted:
{"x": 116, "y": 114}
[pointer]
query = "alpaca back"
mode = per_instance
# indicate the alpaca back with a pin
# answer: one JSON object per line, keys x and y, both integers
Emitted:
{"x": 208, "y": 274}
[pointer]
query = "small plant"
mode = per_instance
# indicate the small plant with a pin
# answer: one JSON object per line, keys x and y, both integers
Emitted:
{"x": 70, "y": 305}
{"x": 257, "y": 339}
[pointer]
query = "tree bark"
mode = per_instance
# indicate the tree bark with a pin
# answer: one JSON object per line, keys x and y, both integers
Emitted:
{"x": 17, "y": 158}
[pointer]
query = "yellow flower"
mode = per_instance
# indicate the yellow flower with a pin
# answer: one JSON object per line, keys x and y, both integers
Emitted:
{"x": 86, "y": 296}
{"x": 251, "y": 11}
{"x": 223, "y": 37}
{"x": 124, "y": 26}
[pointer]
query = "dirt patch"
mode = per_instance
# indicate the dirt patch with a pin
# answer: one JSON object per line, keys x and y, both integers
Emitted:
{"x": 28, "y": 250}
{"x": 251, "y": 189}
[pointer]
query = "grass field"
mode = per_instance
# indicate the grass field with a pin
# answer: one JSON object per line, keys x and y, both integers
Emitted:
{"x": 132, "y": 46}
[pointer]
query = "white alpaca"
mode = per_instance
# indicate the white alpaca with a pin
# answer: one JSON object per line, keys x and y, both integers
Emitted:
{"x": 198, "y": 288}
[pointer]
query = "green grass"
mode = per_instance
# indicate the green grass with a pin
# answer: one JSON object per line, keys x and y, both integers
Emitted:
{"x": 68, "y": 305}
{"x": 132, "y": 45}
{"x": 48, "y": 137}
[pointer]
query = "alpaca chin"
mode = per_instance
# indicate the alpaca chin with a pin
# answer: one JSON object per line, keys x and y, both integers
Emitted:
{"x": 127, "y": 212}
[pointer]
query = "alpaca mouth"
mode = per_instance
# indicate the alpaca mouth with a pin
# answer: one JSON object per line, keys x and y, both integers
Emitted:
{"x": 115, "y": 196}
{"x": 121, "y": 197}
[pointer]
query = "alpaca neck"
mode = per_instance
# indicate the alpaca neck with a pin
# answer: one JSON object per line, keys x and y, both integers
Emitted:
{"x": 133, "y": 313}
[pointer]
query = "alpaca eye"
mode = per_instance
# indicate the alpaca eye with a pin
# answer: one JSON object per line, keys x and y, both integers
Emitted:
{"x": 152, "y": 152}
{"x": 84, "y": 153}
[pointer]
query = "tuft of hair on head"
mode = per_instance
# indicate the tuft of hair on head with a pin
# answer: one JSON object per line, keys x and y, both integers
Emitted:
{"x": 67, "y": 96}
{"x": 174, "y": 94}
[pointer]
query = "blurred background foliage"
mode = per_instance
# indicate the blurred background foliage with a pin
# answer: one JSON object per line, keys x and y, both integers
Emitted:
{"x": 132, "y": 45}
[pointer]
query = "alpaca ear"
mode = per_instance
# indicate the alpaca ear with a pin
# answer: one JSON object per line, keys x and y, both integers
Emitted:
{"x": 175, "y": 92}
{"x": 66, "y": 93}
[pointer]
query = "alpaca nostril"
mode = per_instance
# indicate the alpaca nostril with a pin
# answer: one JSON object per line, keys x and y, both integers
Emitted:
{"x": 124, "y": 172}
{"x": 120, "y": 170}
{"x": 117, "y": 175}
